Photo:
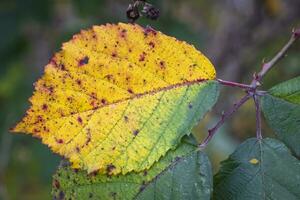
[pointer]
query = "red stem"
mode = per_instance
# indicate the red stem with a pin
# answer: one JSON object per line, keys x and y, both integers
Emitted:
{"x": 280, "y": 55}
{"x": 251, "y": 91}
{"x": 234, "y": 84}
{"x": 224, "y": 117}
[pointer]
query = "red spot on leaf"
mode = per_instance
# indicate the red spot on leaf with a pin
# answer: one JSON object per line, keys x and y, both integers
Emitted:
{"x": 152, "y": 44}
{"x": 78, "y": 82}
{"x": 130, "y": 91}
{"x": 44, "y": 107}
{"x": 59, "y": 141}
{"x": 114, "y": 54}
{"x": 83, "y": 61}
{"x": 110, "y": 168}
{"x": 79, "y": 119}
{"x": 123, "y": 33}
{"x": 36, "y": 130}
{"x": 162, "y": 64}
{"x": 142, "y": 57}
{"x": 149, "y": 30}
{"x": 103, "y": 101}
{"x": 136, "y": 132}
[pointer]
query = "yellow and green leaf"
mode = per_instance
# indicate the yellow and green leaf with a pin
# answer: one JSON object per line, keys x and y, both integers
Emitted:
{"x": 183, "y": 173}
{"x": 116, "y": 98}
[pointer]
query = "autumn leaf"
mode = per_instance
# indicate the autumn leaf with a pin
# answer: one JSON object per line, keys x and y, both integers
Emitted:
{"x": 117, "y": 97}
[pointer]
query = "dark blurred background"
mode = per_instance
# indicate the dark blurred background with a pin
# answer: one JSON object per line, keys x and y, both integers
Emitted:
{"x": 237, "y": 35}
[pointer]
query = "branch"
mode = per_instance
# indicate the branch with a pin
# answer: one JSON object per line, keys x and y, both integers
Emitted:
{"x": 252, "y": 91}
{"x": 281, "y": 54}
{"x": 234, "y": 84}
{"x": 225, "y": 116}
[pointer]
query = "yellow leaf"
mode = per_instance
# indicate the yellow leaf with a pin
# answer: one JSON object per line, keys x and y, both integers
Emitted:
{"x": 117, "y": 97}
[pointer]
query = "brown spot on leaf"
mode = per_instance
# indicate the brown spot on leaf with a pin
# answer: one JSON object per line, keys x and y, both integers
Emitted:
{"x": 152, "y": 44}
{"x": 56, "y": 184}
{"x": 103, "y": 101}
{"x": 136, "y": 132}
{"x": 149, "y": 30}
{"x": 123, "y": 33}
{"x": 114, "y": 54}
{"x": 59, "y": 141}
{"x": 78, "y": 81}
{"x": 70, "y": 99}
{"x": 62, "y": 67}
{"x": 125, "y": 118}
{"x": 46, "y": 129}
{"x": 145, "y": 173}
{"x": 44, "y": 107}
{"x": 35, "y": 130}
{"x": 94, "y": 173}
{"x": 114, "y": 195}
{"x": 39, "y": 119}
{"x": 89, "y": 136}
{"x": 79, "y": 119}
{"x": 109, "y": 77}
{"x": 130, "y": 91}
{"x": 162, "y": 64}
{"x": 83, "y": 61}
{"x": 142, "y": 57}
{"x": 110, "y": 168}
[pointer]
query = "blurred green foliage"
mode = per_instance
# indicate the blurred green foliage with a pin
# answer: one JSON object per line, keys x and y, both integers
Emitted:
{"x": 32, "y": 30}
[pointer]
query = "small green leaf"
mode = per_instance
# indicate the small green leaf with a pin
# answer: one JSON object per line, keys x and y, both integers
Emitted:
{"x": 259, "y": 170}
{"x": 281, "y": 108}
{"x": 182, "y": 173}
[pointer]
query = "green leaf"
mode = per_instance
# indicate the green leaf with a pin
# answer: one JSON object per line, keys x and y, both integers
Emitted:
{"x": 281, "y": 108}
{"x": 182, "y": 173}
{"x": 262, "y": 169}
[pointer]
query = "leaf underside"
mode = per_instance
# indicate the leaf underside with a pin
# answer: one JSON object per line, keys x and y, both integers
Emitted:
{"x": 259, "y": 170}
{"x": 281, "y": 108}
{"x": 181, "y": 174}
{"x": 116, "y": 98}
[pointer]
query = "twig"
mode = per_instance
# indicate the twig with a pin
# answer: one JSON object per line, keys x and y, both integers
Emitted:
{"x": 281, "y": 54}
{"x": 252, "y": 91}
{"x": 258, "y": 117}
{"x": 225, "y": 116}
{"x": 234, "y": 84}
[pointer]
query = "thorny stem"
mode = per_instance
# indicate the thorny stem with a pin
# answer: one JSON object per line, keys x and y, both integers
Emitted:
{"x": 251, "y": 91}
{"x": 224, "y": 117}
{"x": 281, "y": 54}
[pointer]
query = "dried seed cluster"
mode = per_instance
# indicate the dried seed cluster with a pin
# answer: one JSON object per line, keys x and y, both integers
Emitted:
{"x": 148, "y": 10}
